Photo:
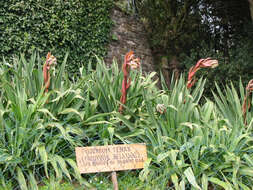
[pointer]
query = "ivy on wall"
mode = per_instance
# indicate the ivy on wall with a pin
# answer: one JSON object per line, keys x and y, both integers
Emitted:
{"x": 81, "y": 27}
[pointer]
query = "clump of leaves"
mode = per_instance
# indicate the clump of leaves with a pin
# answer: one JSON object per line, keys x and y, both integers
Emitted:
{"x": 38, "y": 130}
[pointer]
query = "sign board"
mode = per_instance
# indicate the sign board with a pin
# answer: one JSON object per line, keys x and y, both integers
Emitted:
{"x": 111, "y": 158}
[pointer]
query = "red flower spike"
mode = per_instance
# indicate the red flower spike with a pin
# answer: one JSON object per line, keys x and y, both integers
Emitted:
{"x": 191, "y": 81}
{"x": 246, "y": 107}
{"x": 129, "y": 63}
{"x": 202, "y": 63}
{"x": 208, "y": 62}
{"x": 249, "y": 87}
{"x": 161, "y": 108}
{"x": 129, "y": 56}
{"x": 50, "y": 60}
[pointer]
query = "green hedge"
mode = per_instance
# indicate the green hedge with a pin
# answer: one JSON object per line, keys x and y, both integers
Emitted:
{"x": 81, "y": 27}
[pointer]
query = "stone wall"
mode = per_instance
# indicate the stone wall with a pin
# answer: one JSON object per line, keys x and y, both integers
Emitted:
{"x": 129, "y": 34}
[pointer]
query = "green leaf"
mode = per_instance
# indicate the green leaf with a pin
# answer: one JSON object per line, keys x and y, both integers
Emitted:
{"x": 145, "y": 171}
{"x": 248, "y": 159}
{"x": 244, "y": 187}
{"x": 204, "y": 181}
{"x": 71, "y": 110}
{"x": 111, "y": 133}
{"x": 21, "y": 179}
{"x": 134, "y": 133}
{"x": 75, "y": 168}
{"x": 223, "y": 184}
{"x": 182, "y": 184}
{"x": 56, "y": 168}
{"x": 63, "y": 165}
{"x": 173, "y": 156}
{"x": 32, "y": 181}
{"x": 246, "y": 171}
{"x": 174, "y": 180}
{"x": 162, "y": 156}
{"x": 5, "y": 157}
{"x": 96, "y": 116}
{"x": 191, "y": 178}
{"x": 44, "y": 157}
{"x": 46, "y": 111}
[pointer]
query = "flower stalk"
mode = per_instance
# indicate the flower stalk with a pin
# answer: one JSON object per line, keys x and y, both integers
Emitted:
{"x": 246, "y": 101}
{"x": 50, "y": 61}
{"x": 161, "y": 108}
{"x": 130, "y": 62}
{"x": 202, "y": 63}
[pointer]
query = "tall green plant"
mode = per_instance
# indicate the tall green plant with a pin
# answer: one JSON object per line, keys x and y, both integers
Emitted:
{"x": 192, "y": 144}
{"x": 38, "y": 131}
{"x": 104, "y": 90}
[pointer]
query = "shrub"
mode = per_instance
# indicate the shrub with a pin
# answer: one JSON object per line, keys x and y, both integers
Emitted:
{"x": 80, "y": 27}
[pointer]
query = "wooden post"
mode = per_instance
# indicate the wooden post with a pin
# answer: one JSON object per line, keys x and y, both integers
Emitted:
{"x": 115, "y": 181}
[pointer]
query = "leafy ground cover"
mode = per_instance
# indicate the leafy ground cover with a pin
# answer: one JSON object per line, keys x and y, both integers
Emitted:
{"x": 192, "y": 142}
{"x": 79, "y": 27}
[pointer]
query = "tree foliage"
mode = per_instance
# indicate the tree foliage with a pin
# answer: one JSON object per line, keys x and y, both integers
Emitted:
{"x": 227, "y": 20}
{"x": 172, "y": 25}
{"x": 176, "y": 26}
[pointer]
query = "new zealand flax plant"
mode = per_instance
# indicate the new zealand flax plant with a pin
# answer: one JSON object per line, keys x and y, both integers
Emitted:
{"x": 130, "y": 62}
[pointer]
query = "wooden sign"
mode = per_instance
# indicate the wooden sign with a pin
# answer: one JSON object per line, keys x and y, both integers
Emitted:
{"x": 111, "y": 158}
